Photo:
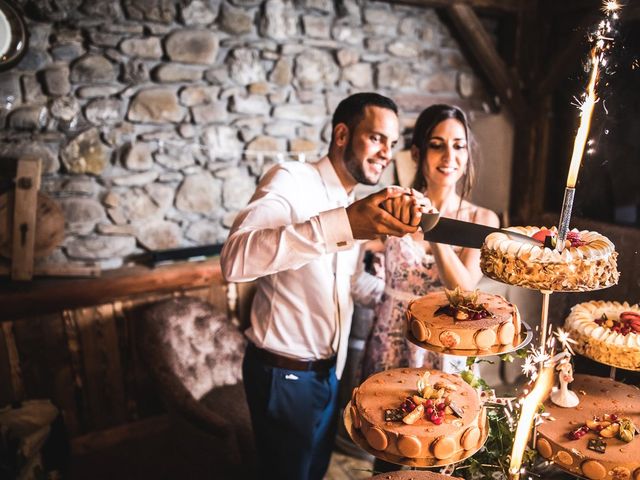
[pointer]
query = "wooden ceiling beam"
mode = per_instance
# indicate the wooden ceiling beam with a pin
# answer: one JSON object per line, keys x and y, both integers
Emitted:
{"x": 507, "y": 6}
{"x": 479, "y": 43}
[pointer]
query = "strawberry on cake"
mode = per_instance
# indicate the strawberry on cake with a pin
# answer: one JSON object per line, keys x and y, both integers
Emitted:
{"x": 587, "y": 262}
{"x": 608, "y": 332}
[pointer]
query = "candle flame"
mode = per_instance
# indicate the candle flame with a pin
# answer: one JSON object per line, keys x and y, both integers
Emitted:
{"x": 586, "y": 110}
{"x": 527, "y": 413}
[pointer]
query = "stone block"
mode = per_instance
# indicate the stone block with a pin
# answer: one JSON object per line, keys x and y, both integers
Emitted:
{"x": 155, "y": 105}
{"x": 149, "y": 47}
{"x": 93, "y": 69}
{"x": 199, "y": 193}
{"x": 198, "y": 12}
{"x": 236, "y": 21}
{"x": 192, "y": 46}
{"x": 85, "y": 154}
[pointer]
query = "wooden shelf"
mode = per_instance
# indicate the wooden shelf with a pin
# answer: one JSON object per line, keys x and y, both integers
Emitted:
{"x": 21, "y": 299}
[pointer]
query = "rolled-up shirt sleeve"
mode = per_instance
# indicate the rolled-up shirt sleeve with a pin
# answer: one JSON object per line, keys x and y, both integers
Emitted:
{"x": 268, "y": 236}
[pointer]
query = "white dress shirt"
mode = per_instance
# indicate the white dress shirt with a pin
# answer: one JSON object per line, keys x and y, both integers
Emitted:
{"x": 294, "y": 237}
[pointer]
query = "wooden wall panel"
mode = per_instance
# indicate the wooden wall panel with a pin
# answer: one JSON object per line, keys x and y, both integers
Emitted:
{"x": 46, "y": 365}
{"x": 86, "y": 361}
{"x": 102, "y": 382}
{"x": 14, "y": 379}
{"x": 7, "y": 394}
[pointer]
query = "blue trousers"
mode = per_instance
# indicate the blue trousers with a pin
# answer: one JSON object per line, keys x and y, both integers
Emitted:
{"x": 294, "y": 417}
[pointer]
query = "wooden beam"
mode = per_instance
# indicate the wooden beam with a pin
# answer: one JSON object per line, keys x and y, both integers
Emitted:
{"x": 24, "y": 217}
{"x": 507, "y": 6}
{"x": 529, "y": 172}
{"x": 481, "y": 46}
{"x": 51, "y": 295}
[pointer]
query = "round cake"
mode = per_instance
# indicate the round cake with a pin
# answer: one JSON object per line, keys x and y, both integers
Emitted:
{"x": 412, "y": 475}
{"x": 463, "y": 320}
{"x": 608, "y": 332}
{"x": 418, "y": 414}
{"x": 588, "y": 262}
{"x": 594, "y": 439}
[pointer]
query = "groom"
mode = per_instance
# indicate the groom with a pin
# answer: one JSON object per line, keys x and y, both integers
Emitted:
{"x": 298, "y": 238}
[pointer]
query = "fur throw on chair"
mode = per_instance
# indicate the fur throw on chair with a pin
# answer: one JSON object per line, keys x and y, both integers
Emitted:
{"x": 200, "y": 345}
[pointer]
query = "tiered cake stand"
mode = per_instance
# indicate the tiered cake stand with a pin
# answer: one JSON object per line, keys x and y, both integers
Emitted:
{"x": 570, "y": 460}
{"x": 358, "y": 438}
{"x": 620, "y": 460}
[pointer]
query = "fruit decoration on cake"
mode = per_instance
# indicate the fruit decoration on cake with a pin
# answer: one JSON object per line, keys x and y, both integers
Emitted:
{"x": 463, "y": 306}
{"x": 608, "y": 332}
{"x": 609, "y": 425}
{"x": 430, "y": 402}
{"x": 462, "y": 320}
{"x": 598, "y": 439}
{"x": 588, "y": 260}
{"x": 414, "y": 413}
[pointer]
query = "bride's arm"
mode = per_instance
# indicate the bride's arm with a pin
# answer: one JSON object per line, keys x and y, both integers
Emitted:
{"x": 464, "y": 270}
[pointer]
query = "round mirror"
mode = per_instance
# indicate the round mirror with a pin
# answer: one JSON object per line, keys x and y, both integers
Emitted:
{"x": 13, "y": 35}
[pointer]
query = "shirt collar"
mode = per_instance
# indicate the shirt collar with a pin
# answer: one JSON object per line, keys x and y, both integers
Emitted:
{"x": 335, "y": 190}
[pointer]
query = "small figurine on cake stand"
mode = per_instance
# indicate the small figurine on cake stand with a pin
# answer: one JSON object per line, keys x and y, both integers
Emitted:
{"x": 563, "y": 397}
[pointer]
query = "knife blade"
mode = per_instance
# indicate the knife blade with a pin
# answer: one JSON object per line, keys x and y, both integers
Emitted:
{"x": 465, "y": 234}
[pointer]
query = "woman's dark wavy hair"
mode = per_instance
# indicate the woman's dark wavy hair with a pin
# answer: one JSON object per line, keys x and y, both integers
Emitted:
{"x": 426, "y": 122}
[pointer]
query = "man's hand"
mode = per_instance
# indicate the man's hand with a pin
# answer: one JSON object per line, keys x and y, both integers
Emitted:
{"x": 369, "y": 219}
{"x": 408, "y": 208}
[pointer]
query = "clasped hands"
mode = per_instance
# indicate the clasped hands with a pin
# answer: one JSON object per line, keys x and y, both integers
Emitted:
{"x": 392, "y": 211}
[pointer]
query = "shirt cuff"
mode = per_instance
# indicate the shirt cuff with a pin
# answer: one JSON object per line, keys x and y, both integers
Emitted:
{"x": 336, "y": 229}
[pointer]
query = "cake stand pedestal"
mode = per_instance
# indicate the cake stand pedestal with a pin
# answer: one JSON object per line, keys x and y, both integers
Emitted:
{"x": 544, "y": 318}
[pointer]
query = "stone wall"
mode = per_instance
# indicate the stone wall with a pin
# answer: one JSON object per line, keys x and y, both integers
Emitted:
{"x": 154, "y": 118}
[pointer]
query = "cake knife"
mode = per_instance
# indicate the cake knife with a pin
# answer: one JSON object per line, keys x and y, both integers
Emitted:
{"x": 464, "y": 234}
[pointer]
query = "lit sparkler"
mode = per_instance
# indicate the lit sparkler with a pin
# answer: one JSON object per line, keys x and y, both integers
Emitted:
{"x": 602, "y": 44}
{"x": 529, "y": 367}
{"x": 565, "y": 340}
{"x": 527, "y": 413}
{"x": 610, "y": 6}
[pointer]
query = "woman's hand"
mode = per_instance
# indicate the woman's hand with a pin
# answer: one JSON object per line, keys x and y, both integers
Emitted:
{"x": 369, "y": 218}
{"x": 408, "y": 208}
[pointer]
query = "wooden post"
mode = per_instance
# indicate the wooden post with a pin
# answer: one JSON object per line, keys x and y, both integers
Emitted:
{"x": 24, "y": 218}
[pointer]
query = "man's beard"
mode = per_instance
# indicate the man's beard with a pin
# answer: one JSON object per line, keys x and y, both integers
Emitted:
{"x": 355, "y": 167}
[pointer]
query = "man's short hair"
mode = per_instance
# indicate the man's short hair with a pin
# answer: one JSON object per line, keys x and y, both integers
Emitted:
{"x": 350, "y": 111}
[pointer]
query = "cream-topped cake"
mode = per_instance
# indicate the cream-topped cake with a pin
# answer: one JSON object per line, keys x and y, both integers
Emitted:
{"x": 463, "y": 320}
{"x": 419, "y": 414}
{"x": 608, "y": 332}
{"x": 596, "y": 439}
{"x": 587, "y": 262}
